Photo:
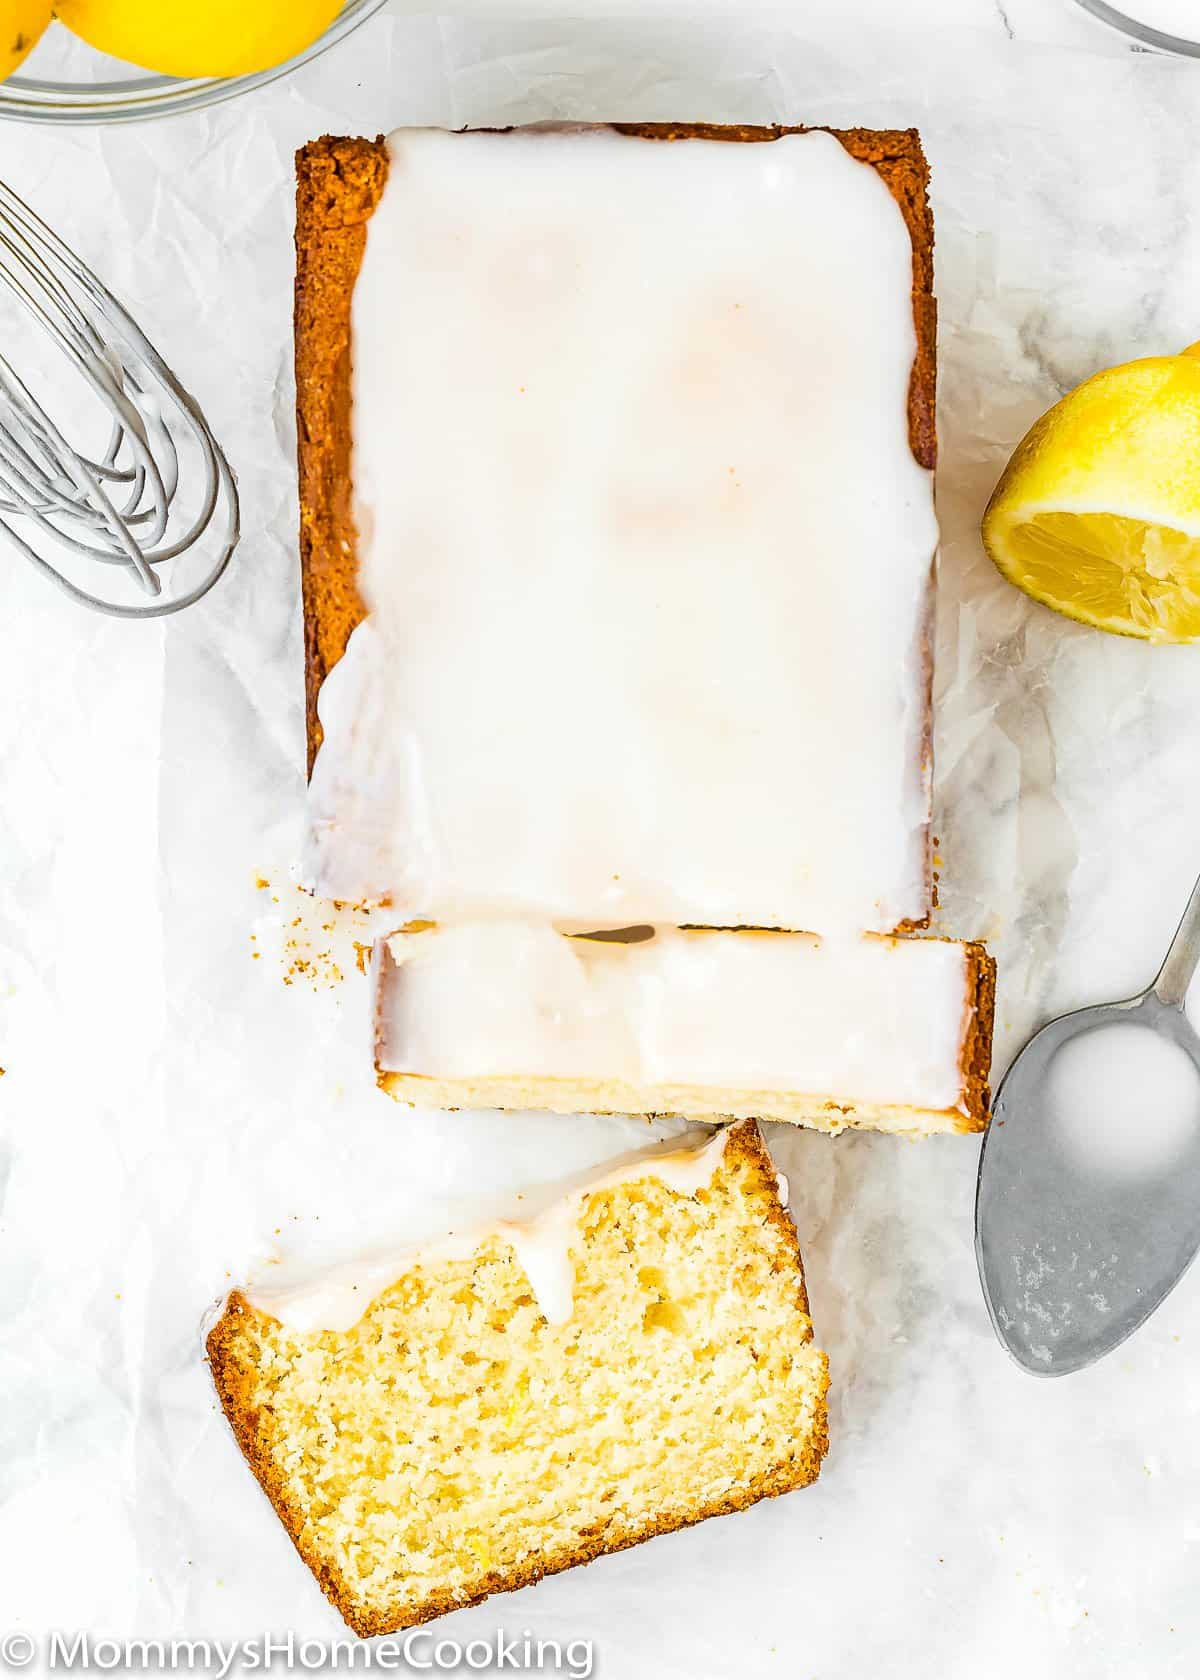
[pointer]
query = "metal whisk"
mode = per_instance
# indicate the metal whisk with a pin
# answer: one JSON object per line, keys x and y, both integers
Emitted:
{"x": 132, "y": 506}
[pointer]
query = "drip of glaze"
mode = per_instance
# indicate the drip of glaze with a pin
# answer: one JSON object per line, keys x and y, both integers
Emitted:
{"x": 542, "y": 1246}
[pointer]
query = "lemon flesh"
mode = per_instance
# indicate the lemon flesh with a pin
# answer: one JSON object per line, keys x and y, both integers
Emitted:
{"x": 199, "y": 37}
{"x": 1098, "y": 512}
{"x": 22, "y": 24}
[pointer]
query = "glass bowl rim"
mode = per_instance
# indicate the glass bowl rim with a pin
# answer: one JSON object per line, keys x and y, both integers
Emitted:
{"x": 1145, "y": 34}
{"x": 144, "y": 95}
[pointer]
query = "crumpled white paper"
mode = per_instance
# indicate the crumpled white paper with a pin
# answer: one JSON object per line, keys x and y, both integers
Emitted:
{"x": 175, "y": 1115}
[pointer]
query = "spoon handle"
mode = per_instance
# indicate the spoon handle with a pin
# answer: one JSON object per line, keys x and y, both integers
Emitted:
{"x": 1182, "y": 958}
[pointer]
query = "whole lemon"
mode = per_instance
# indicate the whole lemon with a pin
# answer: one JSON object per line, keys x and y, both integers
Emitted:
{"x": 21, "y": 26}
{"x": 199, "y": 37}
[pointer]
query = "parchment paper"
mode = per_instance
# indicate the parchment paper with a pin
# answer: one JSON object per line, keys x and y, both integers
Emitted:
{"x": 175, "y": 1115}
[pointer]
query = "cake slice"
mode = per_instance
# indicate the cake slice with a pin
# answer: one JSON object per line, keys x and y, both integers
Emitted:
{"x": 471, "y": 1416}
{"x": 883, "y": 1032}
{"x": 621, "y": 434}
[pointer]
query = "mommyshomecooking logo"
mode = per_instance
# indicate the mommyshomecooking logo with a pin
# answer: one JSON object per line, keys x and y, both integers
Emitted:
{"x": 419, "y": 1651}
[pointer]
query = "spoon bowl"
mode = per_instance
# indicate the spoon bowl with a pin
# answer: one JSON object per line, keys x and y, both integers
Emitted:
{"x": 1078, "y": 1241}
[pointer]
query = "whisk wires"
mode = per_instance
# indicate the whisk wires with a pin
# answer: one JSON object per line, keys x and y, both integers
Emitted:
{"x": 120, "y": 507}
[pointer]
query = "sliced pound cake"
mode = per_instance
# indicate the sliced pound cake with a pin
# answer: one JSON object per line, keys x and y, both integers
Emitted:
{"x": 524, "y": 1398}
{"x": 712, "y": 1023}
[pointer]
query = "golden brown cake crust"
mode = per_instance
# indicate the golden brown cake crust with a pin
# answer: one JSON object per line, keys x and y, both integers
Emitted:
{"x": 339, "y": 182}
{"x": 233, "y": 1388}
{"x": 338, "y": 185}
{"x": 977, "y": 1040}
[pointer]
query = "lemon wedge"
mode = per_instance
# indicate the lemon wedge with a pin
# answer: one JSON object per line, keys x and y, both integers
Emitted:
{"x": 1098, "y": 512}
{"x": 22, "y": 24}
{"x": 199, "y": 37}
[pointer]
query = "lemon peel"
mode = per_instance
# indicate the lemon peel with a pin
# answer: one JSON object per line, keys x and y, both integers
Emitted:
{"x": 203, "y": 38}
{"x": 1097, "y": 515}
{"x": 22, "y": 25}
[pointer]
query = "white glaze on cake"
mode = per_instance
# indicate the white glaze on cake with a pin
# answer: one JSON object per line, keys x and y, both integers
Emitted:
{"x": 542, "y": 1246}
{"x": 646, "y": 552}
{"x": 872, "y": 1020}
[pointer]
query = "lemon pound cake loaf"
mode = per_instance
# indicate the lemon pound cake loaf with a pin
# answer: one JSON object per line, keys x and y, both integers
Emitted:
{"x": 468, "y": 1417}
{"x": 667, "y": 662}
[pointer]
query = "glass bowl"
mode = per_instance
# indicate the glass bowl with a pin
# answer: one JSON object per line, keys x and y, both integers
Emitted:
{"x": 65, "y": 81}
{"x": 1154, "y": 29}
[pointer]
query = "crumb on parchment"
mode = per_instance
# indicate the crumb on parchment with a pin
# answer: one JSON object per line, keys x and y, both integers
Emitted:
{"x": 317, "y": 942}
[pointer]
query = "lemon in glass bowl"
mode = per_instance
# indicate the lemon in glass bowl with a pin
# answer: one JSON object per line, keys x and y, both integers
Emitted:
{"x": 199, "y": 37}
{"x": 22, "y": 24}
{"x": 66, "y": 81}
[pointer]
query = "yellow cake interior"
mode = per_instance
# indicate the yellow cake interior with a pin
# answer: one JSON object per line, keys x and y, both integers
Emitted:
{"x": 454, "y": 1443}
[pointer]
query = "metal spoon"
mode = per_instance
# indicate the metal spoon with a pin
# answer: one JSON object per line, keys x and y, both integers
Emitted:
{"x": 1073, "y": 1262}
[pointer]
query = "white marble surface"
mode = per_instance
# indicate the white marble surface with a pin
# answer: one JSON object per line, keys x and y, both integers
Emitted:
{"x": 171, "y": 1112}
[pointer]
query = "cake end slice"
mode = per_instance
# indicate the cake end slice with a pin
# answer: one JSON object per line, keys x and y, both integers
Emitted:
{"x": 465, "y": 1437}
{"x": 889, "y": 1033}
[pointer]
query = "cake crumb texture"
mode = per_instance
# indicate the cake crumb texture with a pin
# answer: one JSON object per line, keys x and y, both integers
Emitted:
{"x": 454, "y": 1444}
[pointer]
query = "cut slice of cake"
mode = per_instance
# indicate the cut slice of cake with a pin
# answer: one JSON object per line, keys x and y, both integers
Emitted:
{"x": 622, "y": 435}
{"x": 884, "y": 1032}
{"x": 471, "y": 1416}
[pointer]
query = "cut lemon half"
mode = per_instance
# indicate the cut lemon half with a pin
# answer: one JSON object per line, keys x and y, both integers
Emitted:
{"x": 1098, "y": 513}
